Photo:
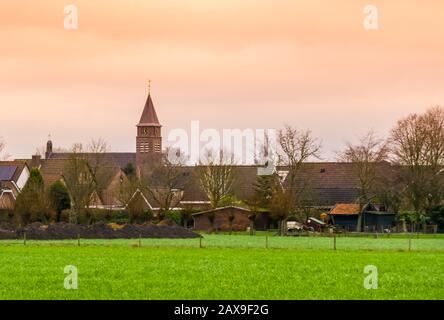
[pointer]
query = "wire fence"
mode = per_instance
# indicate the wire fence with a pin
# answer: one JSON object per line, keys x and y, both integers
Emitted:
{"x": 372, "y": 242}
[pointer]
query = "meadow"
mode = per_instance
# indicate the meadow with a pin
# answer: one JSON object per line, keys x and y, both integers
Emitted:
{"x": 226, "y": 267}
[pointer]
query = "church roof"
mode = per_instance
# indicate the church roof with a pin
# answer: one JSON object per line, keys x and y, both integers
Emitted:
{"x": 109, "y": 159}
{"x": 149, "y": 116}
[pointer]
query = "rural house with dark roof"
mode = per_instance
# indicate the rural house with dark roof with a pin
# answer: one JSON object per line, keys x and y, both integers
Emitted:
{"x": 13, "y": 177}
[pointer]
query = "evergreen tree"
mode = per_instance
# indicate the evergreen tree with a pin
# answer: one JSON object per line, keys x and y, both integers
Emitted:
{"x": 130, "y": 170}
{"x": 30, "y": 204}
{"x": 265, "y": 187}
{"x": 59, "y": 198}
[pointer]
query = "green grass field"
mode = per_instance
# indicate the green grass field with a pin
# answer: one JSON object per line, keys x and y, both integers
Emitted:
{"x": 228, "y": 267}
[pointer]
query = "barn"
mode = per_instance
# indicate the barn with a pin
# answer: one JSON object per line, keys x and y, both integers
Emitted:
{"x": 346, "y": 215}
{"x": 229, "y": 218}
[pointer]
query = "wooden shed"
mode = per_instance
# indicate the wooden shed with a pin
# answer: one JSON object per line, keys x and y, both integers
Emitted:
{"x": 346, "y": 216}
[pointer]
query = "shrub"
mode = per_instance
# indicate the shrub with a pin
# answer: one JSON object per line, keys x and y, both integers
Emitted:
{"x": 94, "y": 216}
{"x": 59, "y": 199}
{"x": 437, "y": 216}
{"x": 31, "y": 203}
{"x": 68, "y": 216}
{"x": 6, "y": 215}
{"x": 120, "y": 217}
{"x": 174, "y": 216}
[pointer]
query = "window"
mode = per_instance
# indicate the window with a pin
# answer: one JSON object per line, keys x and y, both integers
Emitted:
{"x": 144, "y": 147}
{"x": 157, "y": 147}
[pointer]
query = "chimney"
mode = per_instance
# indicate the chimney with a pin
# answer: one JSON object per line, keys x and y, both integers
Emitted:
{"x": 36, "y": 161}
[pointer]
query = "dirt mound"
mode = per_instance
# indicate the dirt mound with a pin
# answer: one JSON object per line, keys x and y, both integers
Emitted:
{"x": 7, "y": 235}
{"x": 63, "y": 230}
{"x": 7, "y": 226}
{"x": 7, "y": 231}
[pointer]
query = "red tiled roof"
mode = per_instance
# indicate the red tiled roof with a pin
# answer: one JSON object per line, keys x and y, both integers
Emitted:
{"x": 345, "y": 208}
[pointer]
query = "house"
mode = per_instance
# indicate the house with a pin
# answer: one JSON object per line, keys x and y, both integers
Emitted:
{"x": 346, "y": 215}
{"x": 228, "y": 218}
{"x": 13, "y": 177}
{"x": 153, "y": 199}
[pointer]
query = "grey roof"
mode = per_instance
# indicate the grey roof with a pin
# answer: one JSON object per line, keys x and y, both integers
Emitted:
{"x": 19, "y": 166}
{"x": 119, "y": 159}
{"x": 331, "y": 196}
{"x": 7, "y": 173}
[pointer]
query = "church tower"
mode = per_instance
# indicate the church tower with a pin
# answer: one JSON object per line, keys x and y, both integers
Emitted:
{"x": 149, "y": 137}
{"x": 48, "y": 152}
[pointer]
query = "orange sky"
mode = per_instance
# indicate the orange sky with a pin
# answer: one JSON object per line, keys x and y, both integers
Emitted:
{"x": 232, "y": 63}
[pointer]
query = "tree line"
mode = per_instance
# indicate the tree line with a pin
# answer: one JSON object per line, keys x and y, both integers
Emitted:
{"x": 403, "y": 172}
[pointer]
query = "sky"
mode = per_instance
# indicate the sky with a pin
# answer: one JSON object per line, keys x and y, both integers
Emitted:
{"x": 256, "y": 64}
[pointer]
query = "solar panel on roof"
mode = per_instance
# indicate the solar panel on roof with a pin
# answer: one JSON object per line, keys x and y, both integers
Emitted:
{"x": 6, "y": 173}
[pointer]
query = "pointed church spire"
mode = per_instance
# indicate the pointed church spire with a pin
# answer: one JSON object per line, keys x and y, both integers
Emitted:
{"x": 149, "y": 116}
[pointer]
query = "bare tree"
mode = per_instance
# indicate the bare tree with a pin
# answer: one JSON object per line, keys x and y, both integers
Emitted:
{"x": 216, "y": 177}
{"x": 78, "y": 181}
{"x": 164, "y": 184}
{"x": 99, "y": 166}
{"x": 389, "y": 187}
{"x": 128, "y": 186}
{"x": 365, "y": 158}
{"x": 434, "y": 154}
{"x": 296, "y": 147}
{"x": 86, "y": 174}
{"x": 2, "y": 147}
{"x": 418, "y": 145}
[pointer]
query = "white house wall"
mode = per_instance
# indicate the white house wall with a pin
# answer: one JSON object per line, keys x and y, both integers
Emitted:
{"x": 23, "y": 178}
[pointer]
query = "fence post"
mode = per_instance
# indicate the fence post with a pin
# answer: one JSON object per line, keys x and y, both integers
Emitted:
{"x": 410, "y": 242}
{"x": 78, "y": 239}
{"x": 24, "y": 238}
{"x": 200, "y": 242}
{"x": 266, "y": 241}
{"x": 334, "y": 241}
{"x": 140, "y": 240}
